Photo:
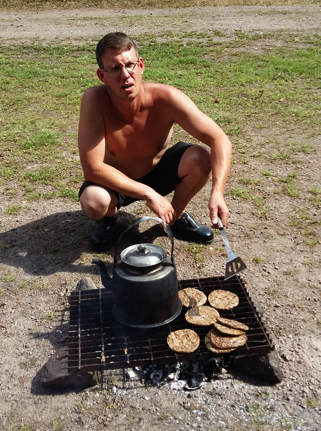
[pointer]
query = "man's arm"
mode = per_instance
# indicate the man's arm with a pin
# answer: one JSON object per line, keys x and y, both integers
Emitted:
{"x": 201, "y": 127}
{"x": 91, "y": 144}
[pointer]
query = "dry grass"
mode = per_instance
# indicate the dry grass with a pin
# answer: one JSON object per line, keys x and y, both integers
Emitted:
{"x": 66, "y": 4}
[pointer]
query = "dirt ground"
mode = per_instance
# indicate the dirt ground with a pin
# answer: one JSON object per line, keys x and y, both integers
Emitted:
{"x": 45, "y": 251}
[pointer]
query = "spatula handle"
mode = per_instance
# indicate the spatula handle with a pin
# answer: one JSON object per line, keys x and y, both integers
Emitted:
{"x": 223, "y": 234}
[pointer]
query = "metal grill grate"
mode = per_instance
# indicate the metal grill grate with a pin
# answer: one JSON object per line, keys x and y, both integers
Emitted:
{"x": 97, "y": 341}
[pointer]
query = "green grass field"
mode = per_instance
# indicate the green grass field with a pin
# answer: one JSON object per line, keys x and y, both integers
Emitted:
{"x": 42, "y": 88}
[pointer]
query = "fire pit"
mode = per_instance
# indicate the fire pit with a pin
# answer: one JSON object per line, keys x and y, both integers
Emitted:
{"x": 97, "y": 341}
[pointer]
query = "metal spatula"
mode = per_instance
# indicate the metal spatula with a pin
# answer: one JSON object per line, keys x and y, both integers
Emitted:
{"x": 234, "y": 264}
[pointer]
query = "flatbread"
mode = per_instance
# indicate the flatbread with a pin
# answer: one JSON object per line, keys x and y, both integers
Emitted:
{"x": 222, "y": 341}
{"x": 227, "y": 330}
{"x": 223, "y": 299}
{"x": 191, "y": 297}
{"x": 202, "y": 315}
{"x": 211, "y": 348}
{"x": 232, "y": 323}
{"x": 183, "y": 341}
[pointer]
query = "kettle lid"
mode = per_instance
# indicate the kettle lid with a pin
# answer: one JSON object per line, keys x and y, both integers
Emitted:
{"x": 143, "y": 255}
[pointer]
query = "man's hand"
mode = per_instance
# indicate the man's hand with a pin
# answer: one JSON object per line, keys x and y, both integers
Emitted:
{"x": 162, "y": 208}
{"x": 218, "y": 207}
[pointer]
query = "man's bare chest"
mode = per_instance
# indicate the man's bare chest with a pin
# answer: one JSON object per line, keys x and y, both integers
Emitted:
{"x": 145, "y": 136}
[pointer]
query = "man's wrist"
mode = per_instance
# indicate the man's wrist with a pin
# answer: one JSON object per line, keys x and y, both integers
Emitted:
{"x": 149, "y": 194}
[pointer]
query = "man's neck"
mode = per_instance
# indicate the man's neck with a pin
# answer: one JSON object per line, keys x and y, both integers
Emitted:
{"x": 128, "y": 110}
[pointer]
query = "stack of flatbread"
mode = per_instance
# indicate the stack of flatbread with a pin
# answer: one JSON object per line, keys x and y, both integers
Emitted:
{"x": 226, "y": 336}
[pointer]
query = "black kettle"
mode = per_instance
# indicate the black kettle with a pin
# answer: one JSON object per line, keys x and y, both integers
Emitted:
{"x": 144, "y": 283}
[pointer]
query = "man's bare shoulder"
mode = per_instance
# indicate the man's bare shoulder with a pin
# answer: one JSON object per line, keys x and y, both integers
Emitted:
{"x": 95, "y": 92}
{"x": 93, "y": 99}
{"x": 161, "y": 89}
{"x": 162, "y": 92}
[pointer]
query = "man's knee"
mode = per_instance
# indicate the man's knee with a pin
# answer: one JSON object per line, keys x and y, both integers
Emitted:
{"x": 203, "y": 159}
{"x": 96, "y": 202}
{"x": 196, "y": 161}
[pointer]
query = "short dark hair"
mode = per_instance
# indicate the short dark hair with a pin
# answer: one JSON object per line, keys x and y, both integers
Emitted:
{"x": 116, "y": 40}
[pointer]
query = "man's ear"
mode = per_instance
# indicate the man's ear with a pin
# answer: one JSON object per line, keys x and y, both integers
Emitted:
{"x": 142, "y": 65}
{"x": 101, "y": 75}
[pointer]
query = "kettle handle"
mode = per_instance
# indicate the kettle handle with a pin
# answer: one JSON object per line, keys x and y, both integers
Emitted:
{"x": 165, "y": 226}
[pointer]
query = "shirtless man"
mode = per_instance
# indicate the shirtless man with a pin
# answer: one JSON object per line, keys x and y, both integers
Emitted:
{"x": 125, "y": 128}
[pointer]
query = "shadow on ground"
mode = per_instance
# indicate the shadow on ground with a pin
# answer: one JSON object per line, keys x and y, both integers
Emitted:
{"x": 54, "y": 243}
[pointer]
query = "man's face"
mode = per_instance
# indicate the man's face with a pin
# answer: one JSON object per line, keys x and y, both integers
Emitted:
{"x": 124, "y": 83}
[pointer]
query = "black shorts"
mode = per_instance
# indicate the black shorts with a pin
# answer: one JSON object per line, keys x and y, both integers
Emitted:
{"x": 162, "y": 178}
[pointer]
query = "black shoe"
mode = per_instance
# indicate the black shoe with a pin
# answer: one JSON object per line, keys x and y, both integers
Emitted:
{"x": 102, "y": 236}
{"x": 191, "y": 230}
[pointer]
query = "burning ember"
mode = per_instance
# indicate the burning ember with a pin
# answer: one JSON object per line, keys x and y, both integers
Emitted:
{"x": 183, "y": 375}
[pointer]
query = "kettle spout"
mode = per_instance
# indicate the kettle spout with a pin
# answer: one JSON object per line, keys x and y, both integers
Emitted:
{"x": 105, "y": 279}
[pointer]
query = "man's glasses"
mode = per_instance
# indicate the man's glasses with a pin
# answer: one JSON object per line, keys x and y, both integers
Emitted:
{"x": 116, "y": 70}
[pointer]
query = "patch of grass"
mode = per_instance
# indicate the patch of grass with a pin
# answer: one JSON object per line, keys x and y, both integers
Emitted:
{"x": 302, "y": 148}
{"x": 292, "y": 190}
{"x": 265, "y": 394}
{"x": 315, "y": 201}
{"x": 65, "y": 192}
{"x": 51, "y": 316}
{"x": 302, "y": 213}
{"x": 8, "y": 172}
{"x": 26, "y": 364}
{"x": 9, "y": 192}
{"x": 267, "y": 173}
{"x": 258, "y": 415}
{"x": 30, "y": 189}
{"x": 34, "y": 196}
{"x": 44, "y": 174}
{"x": 256, "y": 259}
{"x": 289, "y": 178}
{"x": 14, "y": 209}
{"x": 44, "y": 286}
{"x": 196, "y": 250}
{"x": 249, "y": 181}
{"x": 80, "y": 407}
{"x": 261, "y": 211}
{"x": 57, "y": 425}
{"x": 280, "y": 157}
{"x": 220, "y": 249}
{"x": 240, "y": 193}
{"x": 311, "y": 242}
{"x": 316, "y": 191}
{"x": 8, "y": 278}
{"x": 41, "y": 139}
{"x": 49, "y": 195}
{"x": 312, "y": 403}
{"x": 272, "y": 291}
{"x": 78, "y": 179}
